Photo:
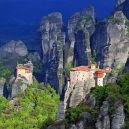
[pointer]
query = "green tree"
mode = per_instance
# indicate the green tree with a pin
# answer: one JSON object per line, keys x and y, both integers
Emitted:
{"x": 68, "y": 68}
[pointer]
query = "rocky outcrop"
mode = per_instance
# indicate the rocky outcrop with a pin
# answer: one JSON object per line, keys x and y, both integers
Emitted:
{"x": 76, "y": 95}
{"x": 13, "y": 48}
{"x": 2, "y": 85}
{"x": 24, "y": 77}
{"x": 118, "y": 118}
{"x": 72, "y": 23}
{"x": 90, "y": 100}
{"x": 17, "y": 85}
{"x": 53, "y": 39}
{"x": 111, "y": 120}
{"x": 127, "y": 65}
{"x": 110, "y": 42}
{"x": 119, "y": 2}
{"x": 110, "y": 116}
{"x": 82, "y": 51}
{"x": 103, "y": 121}
{"x": 122, "y": 5}
{"x": 106, "y": 119}
{"x": 80, "y": 27}
{"x": 73, "y": 127}
{"x": 34, "y": 57}
{"x": 76, "y": 51}
{"x": 85, "y": 120}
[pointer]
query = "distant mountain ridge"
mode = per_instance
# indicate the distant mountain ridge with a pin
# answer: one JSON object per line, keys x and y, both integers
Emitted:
{"x": 26, "y": 33}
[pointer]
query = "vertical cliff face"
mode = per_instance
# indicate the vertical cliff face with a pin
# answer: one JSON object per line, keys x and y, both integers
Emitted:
{"x": 110, "y": 42}
{"x": 114, "y": 120}
{"x": 53, "y": 40}
{"x": 122, "y": 5}
{"x": 82, "y": 51}
{"x": 72, "y": 23}
{"x": 119, "y": 2}
{"x": 17, "y": 86}
{"x": 2, "y": 86}
{"x": 106, "y": 42}
{"x": 80, "y": 27}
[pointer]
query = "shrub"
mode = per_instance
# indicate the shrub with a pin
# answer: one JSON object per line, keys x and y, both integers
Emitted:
{"x": 73, "y": 113}
{"x": 68, "y": 68}
{"x": 6, "y": 72}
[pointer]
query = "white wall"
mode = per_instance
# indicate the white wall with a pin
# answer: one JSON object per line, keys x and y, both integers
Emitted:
{"x": 100, "y": 81}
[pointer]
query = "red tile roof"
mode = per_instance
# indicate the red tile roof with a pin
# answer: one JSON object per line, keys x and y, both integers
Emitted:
{"x": 22, "y": 67}
{"x": 68, "y": 79}
{"x": 81, "y": 68}
{"x": 88, "y": 68}
{"x": 99, "y": 74}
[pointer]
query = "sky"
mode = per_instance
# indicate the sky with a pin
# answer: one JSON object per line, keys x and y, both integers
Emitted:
{"x": 31, "y": 11}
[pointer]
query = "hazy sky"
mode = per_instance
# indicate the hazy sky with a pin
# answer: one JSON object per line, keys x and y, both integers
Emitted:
{"x": 31, "y": 11}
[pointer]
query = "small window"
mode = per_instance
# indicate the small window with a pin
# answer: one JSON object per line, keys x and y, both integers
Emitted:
{"x": 19, "y": 75}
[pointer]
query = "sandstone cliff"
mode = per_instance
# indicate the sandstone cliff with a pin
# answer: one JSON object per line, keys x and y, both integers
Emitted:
{"x": 115, "y": 120}
{"x": 110, "y": 116}
{"x": 76, "y": 95}
{"x": 104, "y": 121}
{"x": 17, "y": 86}
{"x": 2, "y": 86}
{"x": 122, "y": 5}
{"x": 57, "y": 53}
{"x": 119, "y": 3}
{"x": 110, "y": 42}
{"x": 80, "y": 28}
{"x": 53, "y": 39}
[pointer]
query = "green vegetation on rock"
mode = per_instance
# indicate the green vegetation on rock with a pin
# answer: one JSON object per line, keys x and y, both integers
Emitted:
{"x": 68, "y": 68}
{"x": 116, "y": 20}
{"x": 127, "y": 25}
{"x": 73, "y": 113}
{"x": 89, "y": 20}
{"x": 6, "y": 73}
{"x": 38, "y": 66}
{"x": 34, "y": 109}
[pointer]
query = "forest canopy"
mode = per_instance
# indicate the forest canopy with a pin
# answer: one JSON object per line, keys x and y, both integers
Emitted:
{"x": 34, "y": 109}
